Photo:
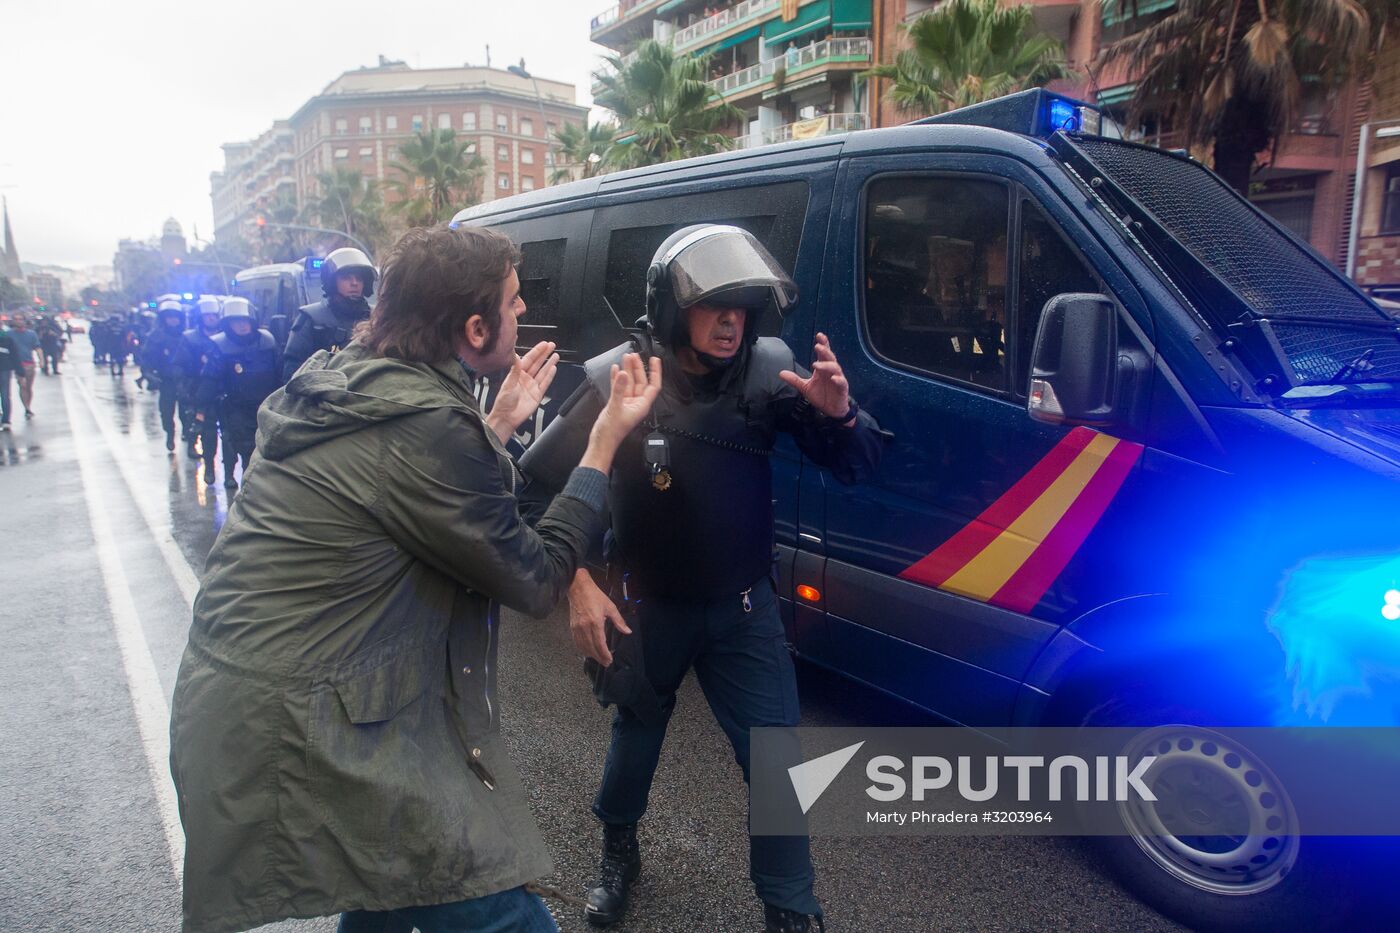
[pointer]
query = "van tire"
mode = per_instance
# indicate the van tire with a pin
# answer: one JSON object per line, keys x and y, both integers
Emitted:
{"x": 1322, "y": 885}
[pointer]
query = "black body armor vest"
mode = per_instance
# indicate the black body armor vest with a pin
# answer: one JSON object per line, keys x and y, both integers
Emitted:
{"x": 709, "y": 532}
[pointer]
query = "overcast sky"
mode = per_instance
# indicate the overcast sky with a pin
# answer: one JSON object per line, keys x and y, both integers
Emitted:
{"x": 113, "y": 112}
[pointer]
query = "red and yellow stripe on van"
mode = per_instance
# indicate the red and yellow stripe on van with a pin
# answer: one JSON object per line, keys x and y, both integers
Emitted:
{"x": 1011, "y": 553}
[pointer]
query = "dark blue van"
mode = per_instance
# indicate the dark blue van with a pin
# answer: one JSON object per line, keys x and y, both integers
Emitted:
{"x": 1143, "y": 447}
{"x": 277, "y": 290}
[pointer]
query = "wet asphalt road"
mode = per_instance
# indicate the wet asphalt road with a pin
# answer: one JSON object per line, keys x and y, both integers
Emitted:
{"x": 83, "y": 833}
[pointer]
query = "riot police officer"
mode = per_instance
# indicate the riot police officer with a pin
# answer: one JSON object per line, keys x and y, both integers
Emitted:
{"x": 692, "y": 525}
{"x": 158, "y": 352}
{"x": 195, "y": 346}
{"x": 243, "y": 369}
{"x": 347, "y": 282}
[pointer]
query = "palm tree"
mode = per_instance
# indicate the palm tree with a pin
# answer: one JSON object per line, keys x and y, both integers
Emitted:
{"x": 576, "y": 145}
{"x": 1230, "y": 73}
{"x": 437, "y": 177}
{"x": 968, "y": 51}
{"x": 348, "y": 201}
{"x": 664, "y": 105}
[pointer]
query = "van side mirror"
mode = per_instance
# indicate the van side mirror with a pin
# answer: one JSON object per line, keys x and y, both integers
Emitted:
{"x": 1074, "y": 367}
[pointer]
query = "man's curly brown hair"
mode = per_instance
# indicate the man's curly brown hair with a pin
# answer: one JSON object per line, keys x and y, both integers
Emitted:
{"x": 434, "y": 280}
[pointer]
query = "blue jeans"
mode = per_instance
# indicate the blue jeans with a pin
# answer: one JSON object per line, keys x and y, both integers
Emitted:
{"x": 745, "y": 671}
{"x": 513, "y": 911}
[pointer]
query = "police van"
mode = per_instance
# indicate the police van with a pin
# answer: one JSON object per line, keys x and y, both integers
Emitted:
{"x": 277, "y": 290}
{"x": 1142, "y": 458}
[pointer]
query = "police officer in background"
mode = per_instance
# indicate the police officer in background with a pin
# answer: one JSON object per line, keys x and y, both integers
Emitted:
{"x": 347, "y": 281}
{"x": 195, "y": 346}
{"x": 692, "y": 536}
{"x": 158, "y": 366}
{"x": 243, "y": 369}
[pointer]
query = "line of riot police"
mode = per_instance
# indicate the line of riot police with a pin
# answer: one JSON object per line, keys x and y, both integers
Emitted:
{"x": 216, "y": 374}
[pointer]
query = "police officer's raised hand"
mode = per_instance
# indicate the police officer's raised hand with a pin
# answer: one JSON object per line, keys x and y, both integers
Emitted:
{"x": 634, "y": 389}
{"x": 523, "y": 389}
{"x": 826, "y": 389}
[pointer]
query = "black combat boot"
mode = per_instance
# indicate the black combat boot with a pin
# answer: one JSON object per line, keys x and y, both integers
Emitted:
{"x": 778, "y": 920}
{"x": 621, "y": 864}
{"x": 169, "y": 441}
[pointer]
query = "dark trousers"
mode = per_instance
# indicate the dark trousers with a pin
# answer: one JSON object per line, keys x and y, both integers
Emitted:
{"x": 5, "y": 373}
{"x": 238, "y": 431}
{"x": 745, "y": 671}
{"x": 513, "y": 911}
{"x": 167, "y": 402}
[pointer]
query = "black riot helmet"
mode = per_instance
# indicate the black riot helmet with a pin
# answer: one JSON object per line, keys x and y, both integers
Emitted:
{"x": 347, "y": 259}
{"x": 718, "y": 264}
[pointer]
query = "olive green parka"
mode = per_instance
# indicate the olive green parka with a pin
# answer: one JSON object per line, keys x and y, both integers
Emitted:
{"x": 335, "y": 731}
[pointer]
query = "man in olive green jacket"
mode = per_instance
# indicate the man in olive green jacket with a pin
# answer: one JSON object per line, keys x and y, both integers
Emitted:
{"x": 334, "y": 734}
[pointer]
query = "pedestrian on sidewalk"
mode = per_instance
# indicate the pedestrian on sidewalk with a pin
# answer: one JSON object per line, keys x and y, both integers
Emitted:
{"x": 50, "y": 343}
{"x": 335, "y": 733}
{"x": 26, "y": 342}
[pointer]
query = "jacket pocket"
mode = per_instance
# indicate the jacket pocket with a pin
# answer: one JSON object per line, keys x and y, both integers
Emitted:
{"x": 381, "y": 759}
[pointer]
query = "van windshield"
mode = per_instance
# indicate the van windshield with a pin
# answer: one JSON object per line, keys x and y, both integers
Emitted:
{"x": 1295, "y": 307}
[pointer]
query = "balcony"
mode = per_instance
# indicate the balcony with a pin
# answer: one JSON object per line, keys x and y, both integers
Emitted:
{"x": 827, "y": 125}
{"x": 794, "y": 62}
{"x": 713, "y": 27}
{"x": 614, "y": 17}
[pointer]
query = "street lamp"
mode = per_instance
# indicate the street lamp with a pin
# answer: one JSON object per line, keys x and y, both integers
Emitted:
{"x": 520, "y": 72}
{"x": 264, "y": 222}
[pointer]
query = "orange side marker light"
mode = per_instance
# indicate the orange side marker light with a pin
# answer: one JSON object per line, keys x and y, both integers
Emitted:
{"x": 809, "y": 593}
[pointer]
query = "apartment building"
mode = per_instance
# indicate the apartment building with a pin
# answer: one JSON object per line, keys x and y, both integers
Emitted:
{"x": 361, "y": 119}
{"x": 1306, "y": 183}
{"x": 255, "y": 174}
{"x": 791, "y": 67}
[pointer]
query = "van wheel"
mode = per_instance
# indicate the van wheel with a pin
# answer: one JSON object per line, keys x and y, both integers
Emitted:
{"x": 1270, "y": 878}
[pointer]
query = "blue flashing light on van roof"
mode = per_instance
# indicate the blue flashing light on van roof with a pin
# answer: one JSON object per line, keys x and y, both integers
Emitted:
{"x": 313, "y": 263}
{"x": 1036, "y": 112}
{"x": 188, "y": 296}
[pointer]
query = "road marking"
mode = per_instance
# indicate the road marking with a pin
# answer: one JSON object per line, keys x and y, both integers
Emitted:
{"x": 161, "y": 531}
{"x": 147, "y": 696}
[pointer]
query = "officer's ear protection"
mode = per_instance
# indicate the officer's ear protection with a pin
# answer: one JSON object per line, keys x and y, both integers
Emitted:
{"x": 656, "y": 281}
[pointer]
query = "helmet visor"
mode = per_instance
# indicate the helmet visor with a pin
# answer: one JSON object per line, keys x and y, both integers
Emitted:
{"x": 733, "y": 269}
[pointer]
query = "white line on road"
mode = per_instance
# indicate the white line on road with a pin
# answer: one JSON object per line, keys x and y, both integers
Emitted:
{"x": 160, "y": 530}
{"x": 152, "y": 712}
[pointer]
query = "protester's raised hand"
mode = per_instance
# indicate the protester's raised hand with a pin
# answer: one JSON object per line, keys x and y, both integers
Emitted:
{"x": 634, "y": 389}
{"x": 523, "y": 389}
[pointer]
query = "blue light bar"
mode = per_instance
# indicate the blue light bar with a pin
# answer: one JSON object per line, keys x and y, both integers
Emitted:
{"x": 188, "y": 296}
{"x": 1036, "y": 112}
{"x": 1063, "y": 115}
{"x": 313, "y": 264}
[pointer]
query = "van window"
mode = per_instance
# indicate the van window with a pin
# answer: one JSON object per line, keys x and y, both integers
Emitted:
{"x": 541, "y": 262}
{"x": 1049, "y": 266}
{"x": 936, "y": 276}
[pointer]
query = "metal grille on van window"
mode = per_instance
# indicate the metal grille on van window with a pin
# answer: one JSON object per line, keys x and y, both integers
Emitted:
{"x": 1272, "y": 274}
